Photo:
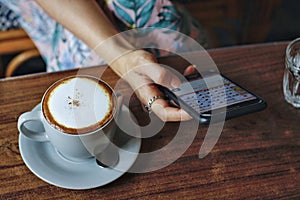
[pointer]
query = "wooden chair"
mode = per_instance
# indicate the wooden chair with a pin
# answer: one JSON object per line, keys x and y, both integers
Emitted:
{"x": 16, "y": 42}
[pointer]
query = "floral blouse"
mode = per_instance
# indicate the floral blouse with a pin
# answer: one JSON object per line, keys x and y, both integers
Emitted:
{"x": 61, "y": 50}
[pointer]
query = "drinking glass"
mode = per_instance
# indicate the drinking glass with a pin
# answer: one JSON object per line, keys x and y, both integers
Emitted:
{"x": 291, "y": 79}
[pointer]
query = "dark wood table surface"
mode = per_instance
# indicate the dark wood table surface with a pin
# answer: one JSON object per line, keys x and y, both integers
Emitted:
{"x": 256, "y": 157}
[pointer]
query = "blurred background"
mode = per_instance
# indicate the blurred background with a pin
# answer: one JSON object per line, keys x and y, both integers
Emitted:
{"x": 238, "y": 22}
{"x": 227, "y": 22}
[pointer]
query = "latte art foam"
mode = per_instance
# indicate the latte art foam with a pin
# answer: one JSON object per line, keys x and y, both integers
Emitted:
{"x": 78, "y": 104}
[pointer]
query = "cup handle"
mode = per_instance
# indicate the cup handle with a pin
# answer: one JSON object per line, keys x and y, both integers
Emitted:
{"x": 36, "y": 135}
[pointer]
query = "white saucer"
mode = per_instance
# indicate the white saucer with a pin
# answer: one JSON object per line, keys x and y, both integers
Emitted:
{"x": 42, "y": 159}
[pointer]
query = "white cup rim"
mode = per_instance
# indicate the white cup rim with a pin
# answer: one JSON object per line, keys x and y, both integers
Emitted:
{"x": 114, "y": 110}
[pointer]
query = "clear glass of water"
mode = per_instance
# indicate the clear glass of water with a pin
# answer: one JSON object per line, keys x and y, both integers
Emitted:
{"x": 291, "y": 79}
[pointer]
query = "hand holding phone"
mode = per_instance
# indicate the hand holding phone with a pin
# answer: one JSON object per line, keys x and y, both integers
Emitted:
{"x": 205, "y": 98}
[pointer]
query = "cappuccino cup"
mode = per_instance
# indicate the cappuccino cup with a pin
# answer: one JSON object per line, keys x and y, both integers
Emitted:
{"x": 77, "y": 114}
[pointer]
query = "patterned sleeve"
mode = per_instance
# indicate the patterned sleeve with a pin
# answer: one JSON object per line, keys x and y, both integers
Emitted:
{"x": 8, "y": 18}
{"x": 60, "y": 48}
{"x": 13, "y": 5}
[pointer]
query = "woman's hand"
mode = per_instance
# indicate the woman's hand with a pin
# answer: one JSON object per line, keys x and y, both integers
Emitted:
{"x": 141, "y": 70}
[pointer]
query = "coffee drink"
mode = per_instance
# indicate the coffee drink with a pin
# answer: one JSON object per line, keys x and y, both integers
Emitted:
{"x": 77, "y": 117}
{"x": 78, "y": 105}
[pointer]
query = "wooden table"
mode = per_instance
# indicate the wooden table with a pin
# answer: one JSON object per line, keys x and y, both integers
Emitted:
{"x": 256, "y": 157}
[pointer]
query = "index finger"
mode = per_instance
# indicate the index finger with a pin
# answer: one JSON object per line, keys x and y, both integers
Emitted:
{"x": 167, "y": 113}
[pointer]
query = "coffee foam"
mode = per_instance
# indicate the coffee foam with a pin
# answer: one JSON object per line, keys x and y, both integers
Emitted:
{"x": 78, "y": 105}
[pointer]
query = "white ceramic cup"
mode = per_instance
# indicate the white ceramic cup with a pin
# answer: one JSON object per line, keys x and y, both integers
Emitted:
{"x": 77, "y": 114}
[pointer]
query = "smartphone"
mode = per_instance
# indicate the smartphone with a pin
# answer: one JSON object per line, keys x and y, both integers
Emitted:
{"x": 212, "y": 96}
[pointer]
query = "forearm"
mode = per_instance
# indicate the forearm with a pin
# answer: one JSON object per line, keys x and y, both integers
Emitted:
{"x": 87, "y": 21}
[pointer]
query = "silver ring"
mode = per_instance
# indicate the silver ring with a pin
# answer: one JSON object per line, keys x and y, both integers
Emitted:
{"x": 151, "y": 101}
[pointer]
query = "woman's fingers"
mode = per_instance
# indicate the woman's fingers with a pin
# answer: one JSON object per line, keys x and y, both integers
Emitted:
{"x": 159, "y": 105}
{"x": 167, "y": 113}
{"x": 191, "y": 69}
{"x": 162, "y": 76}
{"x": 141, "y": 70}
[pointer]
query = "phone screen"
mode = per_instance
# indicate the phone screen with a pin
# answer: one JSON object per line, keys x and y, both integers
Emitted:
{"x": 196, "y": 94}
